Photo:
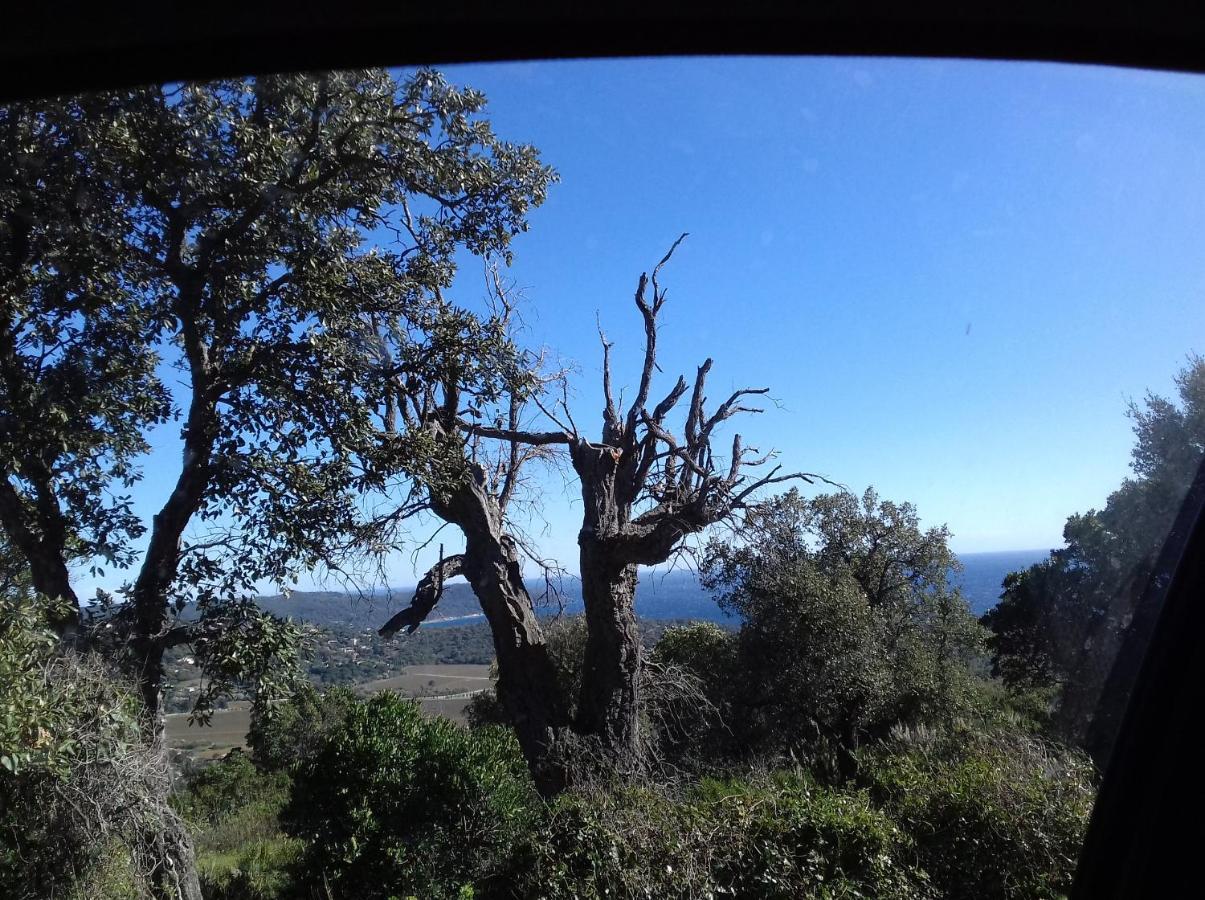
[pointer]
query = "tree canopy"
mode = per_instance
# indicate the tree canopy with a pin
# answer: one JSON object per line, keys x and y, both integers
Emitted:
{"x": 1061, "y": 622}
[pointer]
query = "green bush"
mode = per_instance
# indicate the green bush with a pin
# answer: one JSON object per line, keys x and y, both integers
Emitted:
{"x": 80, "y": 786}
{"x": 283, "y": 734}
{"x": 993, "y": 816}
{"x": 233, "y": 810}
{"x": 394, "y": 803}
{"x": 769, "y": 837}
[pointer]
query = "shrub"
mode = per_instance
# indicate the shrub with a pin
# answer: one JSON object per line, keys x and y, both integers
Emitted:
{"x": 687, "y": 694}
{"x": 283, "y": 734}
{"x": 233, "y": 808}
{"x": 82, "y": 792}
{"x": 767, "y": 837}
{"x": 999, "y": 815}
{"x": 393, "y": 802}
{"x": 261, "y": 870}
{"x": 850, "y": 622}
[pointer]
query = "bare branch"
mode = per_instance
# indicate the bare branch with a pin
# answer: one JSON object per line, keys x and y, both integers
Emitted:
{"x": 730, "y": 407}
{"x": 611, "y": 426}
{"x": 426, "y": 595}
{"x": 565, "y": 428}
{"x": 670, "y": 401}
{"x": 774, "y": 478}
{"x": 681, "y": 452}
{"x": 658, "y": 294}
{"x": 649, "y": 313}
{"x": 535, "y": 438}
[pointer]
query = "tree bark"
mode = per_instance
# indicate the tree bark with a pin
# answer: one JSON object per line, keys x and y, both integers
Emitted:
{"x": 609, "y": 704}
{"x": 608, "y": 707}
{"x": 175, "y": 876}
{"x": 46, "y": 554}
{"x": 527, "y": 683}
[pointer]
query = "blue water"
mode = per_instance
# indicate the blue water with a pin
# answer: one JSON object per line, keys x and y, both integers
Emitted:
{"x": 983, "y": 572}
{"x": 678, "y": 595}
{"x": 673, "y": 595}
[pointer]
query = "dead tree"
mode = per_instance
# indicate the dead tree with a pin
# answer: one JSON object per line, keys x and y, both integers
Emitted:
{"x": 644, "y": 490}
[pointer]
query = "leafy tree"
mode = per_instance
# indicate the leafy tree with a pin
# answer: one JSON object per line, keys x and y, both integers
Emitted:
{"x": 250, "y": 213}
{"x": 223, "y": 230}
{"x": 850, "y": 623}
{"x": 1061, "y": 622}
{"x": 430, "y": 386}
{"x": 77, "y": 378}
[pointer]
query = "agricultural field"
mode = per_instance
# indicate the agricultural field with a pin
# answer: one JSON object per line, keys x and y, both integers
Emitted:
{"x": 428, "y": 683}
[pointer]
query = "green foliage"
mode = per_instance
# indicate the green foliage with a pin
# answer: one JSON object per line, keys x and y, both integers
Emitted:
{"x": 242, "y": 646}
{"x": 780, "y": 837}
{"x": 285, "y": 734}
{"x": 32, "y": 725}
{"x": 233, "y": 809}
{"x": 850, "y": 623}
{"x": 1060, "y": 623}
{"x": 53, "y": 712}
{"x": 79, "y": 783}
{"x": 688, "y": 693}
{"x": 258, "y": 870}
{"x": 702, "y": 648}
{"x": 393, "y": 802}
{"x": 221, "y": 789}
{"x": 231, "y": 230}
{"x": 993, "y": 815}
{"x": 78, "y": 388}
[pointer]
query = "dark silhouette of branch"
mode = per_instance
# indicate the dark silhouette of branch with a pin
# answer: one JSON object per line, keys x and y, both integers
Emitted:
{"x": 426, "y": 595}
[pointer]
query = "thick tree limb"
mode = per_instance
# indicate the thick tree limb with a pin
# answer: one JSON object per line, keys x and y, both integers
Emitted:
{"x": 426, "y": 595}
{"x": 535, "y": 438}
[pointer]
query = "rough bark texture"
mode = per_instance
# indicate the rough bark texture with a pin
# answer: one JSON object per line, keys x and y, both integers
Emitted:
{"x": 175, "y": 876}
{"x": 527, "y": 684}
{"x": 45, "y": 554}
{"x": 609, "y": 704}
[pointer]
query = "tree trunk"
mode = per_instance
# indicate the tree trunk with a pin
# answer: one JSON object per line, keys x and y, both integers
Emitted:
{"x": 608, "y": 707}
{"x": 45, "y": 554}
{"x": 609, "y": 704}
{"x": 175, "y": 876}
{"x": 527, "y": 683}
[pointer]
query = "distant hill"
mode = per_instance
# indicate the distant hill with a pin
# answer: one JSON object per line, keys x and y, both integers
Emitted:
{"x": 330, "y": 609}
{"x": 659, "y": 596}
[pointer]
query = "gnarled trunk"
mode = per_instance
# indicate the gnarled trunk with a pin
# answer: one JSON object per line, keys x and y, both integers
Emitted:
{"x": 527, "y": 683}
{"x": 609, "y": 704}
{"x": 175, "y": 876}
{"x": 608, "y": 707}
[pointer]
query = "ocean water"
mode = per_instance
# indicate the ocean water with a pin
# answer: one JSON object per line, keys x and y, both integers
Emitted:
{"x": 678, "y": 594}
{"x": 983, "y": 572}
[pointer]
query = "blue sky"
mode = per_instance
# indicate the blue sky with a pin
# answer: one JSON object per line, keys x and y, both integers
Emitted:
{"x": 952, "y": 275}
